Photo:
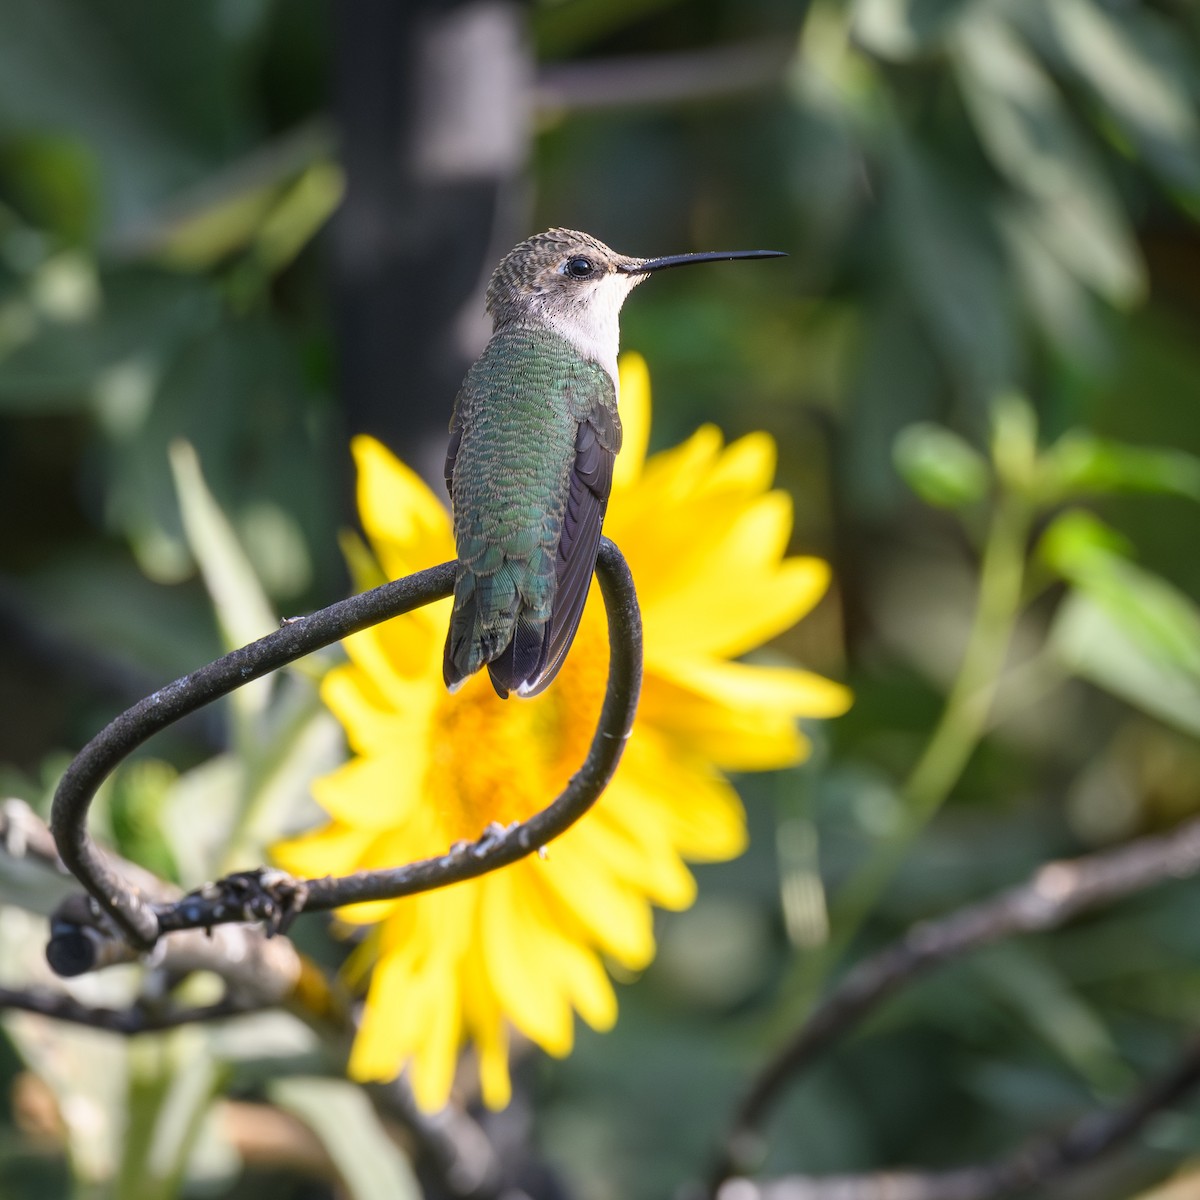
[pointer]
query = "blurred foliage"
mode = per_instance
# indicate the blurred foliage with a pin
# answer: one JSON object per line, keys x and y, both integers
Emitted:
{"x": 981, "y": 367}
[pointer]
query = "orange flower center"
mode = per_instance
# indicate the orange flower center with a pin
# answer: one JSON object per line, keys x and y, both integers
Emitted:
{"x": 501, "y": 761}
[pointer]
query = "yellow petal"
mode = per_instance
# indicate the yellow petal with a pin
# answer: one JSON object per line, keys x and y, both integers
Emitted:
{"x": 360, "y": 706}
{"x": 732, "y": 736}
{"x": 488, "y": 1030}
{"x": 539, "y": 972}
{"x": 634, "y": 406}
{"x": 731, "y": 545}
{"x": 747, "y": 466}
{"x": 400, "y": 658}
{"x": 378, "y": 792}
{"x": 635, "y": 846}
{"x": 726, "y": 614}
{"x": 706, "y": 540}
{"x": 667, "y": 478}
{"x": 415, "y": 1005}
{"x": 331, "y": 850}
{"x": 491, "y": 1047}
{"x": 409, "y": 527}
{"x": 783, "y": 689}
{"x": 435, "y": 1055}
{"x": 614, "y": 912}
{"x": 710, "y": 827}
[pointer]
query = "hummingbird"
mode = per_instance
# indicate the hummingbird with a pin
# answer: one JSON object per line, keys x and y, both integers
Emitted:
{"x": 533, "y": 436}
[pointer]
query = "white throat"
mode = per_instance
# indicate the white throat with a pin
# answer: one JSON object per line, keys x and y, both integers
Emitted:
{"x": 592, "y": 325}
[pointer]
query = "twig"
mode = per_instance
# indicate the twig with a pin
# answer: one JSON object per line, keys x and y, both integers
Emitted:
{"x": 274, "y": 896}
{"x": 1057, "y": 892}
{"x": 1034, "y": 1164}
{"x": 90, "y": 767}
{"x": 138, "y": 1018}
{"x": 83, "y": 938}
{"x": 24, "y": 836}
{"x": 680, "y": 77}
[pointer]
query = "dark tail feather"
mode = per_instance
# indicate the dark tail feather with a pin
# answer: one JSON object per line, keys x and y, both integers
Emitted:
{"x": 518, "y": 664}
{"x": 522, "y": 660}
{"x": 460, "y": 641}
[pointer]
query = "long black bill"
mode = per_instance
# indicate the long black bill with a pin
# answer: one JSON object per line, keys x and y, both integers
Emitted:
{"x": 682, "y": 260}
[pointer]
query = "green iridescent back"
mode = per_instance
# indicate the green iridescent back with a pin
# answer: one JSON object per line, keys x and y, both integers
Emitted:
{"x": 529, "y": 468}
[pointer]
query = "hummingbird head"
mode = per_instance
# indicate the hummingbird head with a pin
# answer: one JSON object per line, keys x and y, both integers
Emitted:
{"x": 558, "y": 274}
{"x": 575, "y": 284}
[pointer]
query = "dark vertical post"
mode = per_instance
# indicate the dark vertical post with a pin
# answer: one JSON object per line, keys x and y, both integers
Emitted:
{"x": 432, "y": 104}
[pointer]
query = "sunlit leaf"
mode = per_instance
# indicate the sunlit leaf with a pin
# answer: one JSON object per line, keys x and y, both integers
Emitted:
{"x": 300, "y": 212}
{"x": 199, "y": 240}
{"x": 941, "y": 467}
{"x": 371, "y": 1165}
{"x": 215, "y": 788}
{"x": 272, "y": 202}
{"x": 135, "y": 810}
{"x": 1077, "y": 542}
{"x": 1080, "y": 463}
{"x": 243, "y": 610}
{"x": 901, "y": 29}
{"x": 1122, "y": 627}
{"x": 1096, "y": 644}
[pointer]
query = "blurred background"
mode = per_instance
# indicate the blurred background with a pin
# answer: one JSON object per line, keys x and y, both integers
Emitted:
{"x": 263, "y": 227}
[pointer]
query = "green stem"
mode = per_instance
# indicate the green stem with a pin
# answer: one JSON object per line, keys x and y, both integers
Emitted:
{"x": 148, "y": 1088}
{"x": 965, "y": 716}
{"x": 172, "y": 1082}
{"x": 962, "y": 725}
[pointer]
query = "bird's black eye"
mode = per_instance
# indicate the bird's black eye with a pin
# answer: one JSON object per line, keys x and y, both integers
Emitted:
{"x": 580, "y": 268}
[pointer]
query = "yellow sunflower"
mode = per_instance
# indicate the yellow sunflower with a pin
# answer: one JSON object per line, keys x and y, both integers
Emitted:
{"x": 705, "y": 539}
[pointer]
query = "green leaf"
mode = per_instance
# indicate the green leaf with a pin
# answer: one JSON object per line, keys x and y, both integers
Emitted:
{"x": 273, "y": 200}
{"x": 1077, "y": 542}
{"x": 1028, "y": 132}
{"x": 1138, "y": 68}
{"x": 243, "y": 611}
{"x": 299, "y": 214}
{"x": 371, "y": 1165}
{"x": 941, "y": 232}
{"x": 902, "y": 29}
{"x": 55, "y": 366}
{"x": 1063, "y": 307}
{"x": 1043, "y": 997}
{"x": 941, "y": 467}
{"x": 216, "y": 788}
{"x": 135, "y": 808}
{"x": 1096, "y": 644}
{"x": 1080, "y": 463}
{"x": 1122, "y": 627}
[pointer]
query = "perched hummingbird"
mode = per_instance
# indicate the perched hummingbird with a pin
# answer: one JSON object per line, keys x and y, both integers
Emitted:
{"x": 532, "y": 441}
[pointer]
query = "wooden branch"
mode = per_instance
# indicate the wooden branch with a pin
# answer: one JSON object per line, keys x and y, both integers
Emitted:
{"x": 1033, "y": 1165}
